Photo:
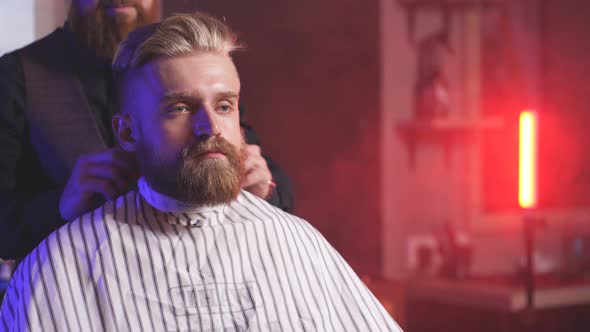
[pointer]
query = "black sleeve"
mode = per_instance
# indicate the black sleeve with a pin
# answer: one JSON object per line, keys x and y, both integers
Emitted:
{"x": 29, "y": 202}
{"x": 282, "y": 195}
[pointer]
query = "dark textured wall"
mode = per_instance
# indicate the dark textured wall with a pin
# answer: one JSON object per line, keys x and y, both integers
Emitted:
{"x": 566, "y": 96}
{"x": 564, "y": 109}
{"x": 310, "y": 80}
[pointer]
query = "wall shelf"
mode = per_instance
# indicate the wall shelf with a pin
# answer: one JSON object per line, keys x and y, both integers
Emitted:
{"x": 446, "y": 132}
{"x": 454, "y": 4}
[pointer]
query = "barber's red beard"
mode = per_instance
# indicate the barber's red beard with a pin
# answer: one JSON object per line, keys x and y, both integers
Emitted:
{"x": 194, "y": 178}
{"x": 103, "y": 34}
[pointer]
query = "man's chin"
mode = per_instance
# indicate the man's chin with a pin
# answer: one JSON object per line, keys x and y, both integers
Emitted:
{"x": 211, "y": 181}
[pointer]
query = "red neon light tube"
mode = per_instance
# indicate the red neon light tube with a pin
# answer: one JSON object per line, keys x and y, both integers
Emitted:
{"x": 527, "y": 160}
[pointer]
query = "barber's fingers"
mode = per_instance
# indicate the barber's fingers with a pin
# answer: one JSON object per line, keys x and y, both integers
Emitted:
{"x": 252, "y": 149}
{"x": 253, "y": 158}
{"x": 108, "y": 173}
{"x": 121, "y": 179}
{"x": 257, "y": 176}
{"x": 90, "y": 185}
{"x": 116, "y": 157}
{"x": 114, "y": 164}
{"x": 254, "y": 163}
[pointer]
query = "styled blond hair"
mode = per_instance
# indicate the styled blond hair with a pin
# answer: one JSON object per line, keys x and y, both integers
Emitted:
{"x": 179, "y": 34}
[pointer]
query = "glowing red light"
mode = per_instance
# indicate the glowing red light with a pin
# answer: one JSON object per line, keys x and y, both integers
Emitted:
{"x": 527, "y": 160}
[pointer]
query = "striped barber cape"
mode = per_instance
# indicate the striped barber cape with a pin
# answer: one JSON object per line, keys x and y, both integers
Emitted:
{"x": 145, "y": 262}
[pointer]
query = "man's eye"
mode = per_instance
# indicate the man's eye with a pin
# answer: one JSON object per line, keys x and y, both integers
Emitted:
{"x": 179, "y": 109}
{"x": 225, "y": 108}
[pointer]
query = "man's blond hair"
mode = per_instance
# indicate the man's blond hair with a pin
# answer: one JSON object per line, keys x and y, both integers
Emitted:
{"x": 177, "y": 35}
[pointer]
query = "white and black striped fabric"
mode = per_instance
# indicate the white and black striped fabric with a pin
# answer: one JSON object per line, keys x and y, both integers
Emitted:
{"x": 145, "y": 262}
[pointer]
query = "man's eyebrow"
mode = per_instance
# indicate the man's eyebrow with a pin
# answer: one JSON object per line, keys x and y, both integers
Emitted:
{"x": 228, "y": 95}
{"x": 177, "y": 95}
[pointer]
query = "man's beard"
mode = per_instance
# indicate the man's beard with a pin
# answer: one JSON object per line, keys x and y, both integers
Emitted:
{"x": 194, "y": 178}
{"x": 101, "y": 33}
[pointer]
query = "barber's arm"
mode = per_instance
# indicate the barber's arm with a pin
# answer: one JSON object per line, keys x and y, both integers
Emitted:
{"x": 278, "y": 193}
{"x": 31, "y": 204}
{"x": 29, "y": 208}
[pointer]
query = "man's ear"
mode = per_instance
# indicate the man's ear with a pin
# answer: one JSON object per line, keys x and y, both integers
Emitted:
{"x": 123, "y": 129}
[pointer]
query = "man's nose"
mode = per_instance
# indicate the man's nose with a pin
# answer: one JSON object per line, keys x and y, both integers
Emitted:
{"x": 205, "y": 125}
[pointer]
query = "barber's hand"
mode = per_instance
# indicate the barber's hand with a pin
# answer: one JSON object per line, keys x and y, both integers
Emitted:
{"x": 258, "y": 179}
{"x": 107, "y": 173}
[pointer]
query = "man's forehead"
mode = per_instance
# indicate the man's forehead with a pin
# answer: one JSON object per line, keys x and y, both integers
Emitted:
{"x": 190, "y": 72}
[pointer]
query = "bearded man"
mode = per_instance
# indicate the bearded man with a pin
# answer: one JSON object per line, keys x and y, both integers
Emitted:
{"x": 189, "y": 250}
{"x": 56, "y": 104}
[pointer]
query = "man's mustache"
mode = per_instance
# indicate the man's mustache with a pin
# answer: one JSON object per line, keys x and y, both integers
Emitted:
{"x": 212, "y": 145}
